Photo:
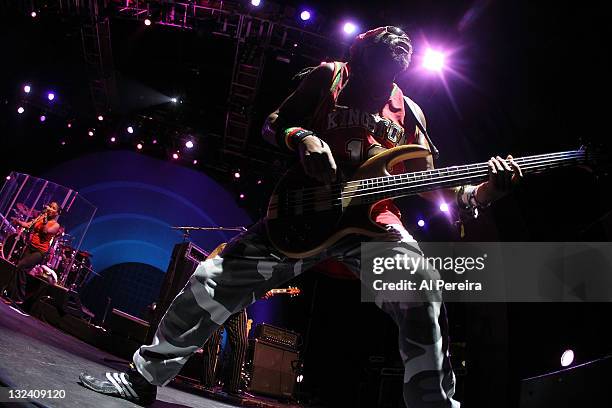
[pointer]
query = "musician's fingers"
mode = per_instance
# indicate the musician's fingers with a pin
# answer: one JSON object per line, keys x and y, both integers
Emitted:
{"x": 332, "y": 163}
{"x": 517, "y": 172}
{"x": 507, "y": 173}
{"x": 498, "y": 180}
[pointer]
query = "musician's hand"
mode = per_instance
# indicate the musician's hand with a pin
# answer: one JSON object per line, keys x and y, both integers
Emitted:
{"x": 267, "y": 295}
{"x": 317, "y": 159}
{"x": 503, "y": 174}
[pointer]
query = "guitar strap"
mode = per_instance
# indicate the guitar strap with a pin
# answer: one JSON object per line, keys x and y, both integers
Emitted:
{"x": 412, "y": 108}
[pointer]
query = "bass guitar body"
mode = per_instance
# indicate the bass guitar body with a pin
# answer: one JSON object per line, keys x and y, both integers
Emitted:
{"x": 304, "y": 217}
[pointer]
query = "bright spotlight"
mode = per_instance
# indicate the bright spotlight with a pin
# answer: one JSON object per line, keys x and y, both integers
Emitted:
{"x": 237, "y": 175}
{"x": 189, "y": 144}
{"x": 175, "y": 156}
{"x": 100, "y": 118}
{"x": 20, "y": 110}
{"x": 90, "y": 133}
{"x": 27, "y": 88}
{"x": 112, "y": 139}
{"x": 195, "y": 161}
{"x": 256, "y": 3}
{"x": 154, "y": 141}
{"x": 147, "y": 22}
{"x": 51, "y": 96}
{"x": 305, "y": 15}
{"x": 69, "y": 125}
{"x": 130, "y": 129}
{"x": 444, "y": 207}
{"x": 33, "y": 14}
{"x": 433, "y": 60}
{"x": 43, "y": 118}
{"x": 139, "y": 146}
{"x": 567, "y": 358}
{"x": 299, "y": 378}
{"x": 242, "y": 196}
{"x": 349, "y": 28}
{"x": 421, "y": 223}
{"x": 174, "y": 100}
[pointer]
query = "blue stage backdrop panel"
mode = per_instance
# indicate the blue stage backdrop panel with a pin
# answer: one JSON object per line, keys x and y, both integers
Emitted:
{"x": 139, "y": 198}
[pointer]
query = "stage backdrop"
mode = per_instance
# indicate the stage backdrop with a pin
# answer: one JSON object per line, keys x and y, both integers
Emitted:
{"x": 139, "y": 198}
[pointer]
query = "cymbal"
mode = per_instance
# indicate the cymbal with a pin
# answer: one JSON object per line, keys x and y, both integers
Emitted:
{"x": 22, "y": 208}
{"x": 25, "y": 210}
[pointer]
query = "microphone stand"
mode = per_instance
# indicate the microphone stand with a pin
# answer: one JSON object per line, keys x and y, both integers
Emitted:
{"x": 187, "y": 229}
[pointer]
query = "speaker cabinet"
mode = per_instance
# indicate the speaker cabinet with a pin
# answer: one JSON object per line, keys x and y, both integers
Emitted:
{"x": 127, "y": 326}
{"x": 272, "y": 369}
{"x": 185, "y": 258}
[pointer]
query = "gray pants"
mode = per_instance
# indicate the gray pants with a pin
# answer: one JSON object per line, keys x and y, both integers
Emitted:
{"x": 247, "y": 268}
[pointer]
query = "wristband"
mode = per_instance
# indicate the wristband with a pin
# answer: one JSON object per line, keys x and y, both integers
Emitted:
{"x": 466, "y": 200}
{"x": 294, "y": 135}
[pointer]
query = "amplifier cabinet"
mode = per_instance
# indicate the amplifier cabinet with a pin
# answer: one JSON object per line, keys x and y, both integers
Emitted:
{"x": 272, "y": 370}
{"x": 185, "y": 258}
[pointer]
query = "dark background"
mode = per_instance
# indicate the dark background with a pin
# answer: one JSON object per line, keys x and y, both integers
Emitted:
{"x": 531, "y": 79}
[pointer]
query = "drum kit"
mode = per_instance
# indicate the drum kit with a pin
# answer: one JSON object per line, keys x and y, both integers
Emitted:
{"x": 64, "y": 265}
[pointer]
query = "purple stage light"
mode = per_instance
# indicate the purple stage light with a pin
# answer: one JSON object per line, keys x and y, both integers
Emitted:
{"x": 27, "y": 88}
{"x": 43, "y": 118}
{"x": 349, "y": 28}
{"x": 256, "y": 3}
{"x": 8, "y": 177}
{"x": 51, "y": 96}
{"x": 69, "y": 125}
{"x": 444, "y": 207}
{"x": 20, "y": 110}
{"x": 63, "y": 143}
{"x": 434, "y": 60}
{"x": 147, "y": 22}
{"x": 100, "y": 118}
{"x": 33, "y": 14}
{"x": 130, "y": 130}
{"x": 305, "y": 15}
{"x": 242, "y": 196}
{"x": 139, "y": 146}
{"x": 237, "y": 175}
{"x": 112, "y": 139}
{"x": 175, "y": 156}
{"x": 154, "y": 141}
{"x": 567, "y": 358}
{"x": 259, "y": 181}
{"x": 90, "y": 133}
{"x": 195, "y": 161}
{"x": 189, "y": 144}
{"x": 421, "y": 223}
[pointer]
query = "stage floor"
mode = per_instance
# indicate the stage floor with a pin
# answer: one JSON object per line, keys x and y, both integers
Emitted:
{"x": 37, "y": 356}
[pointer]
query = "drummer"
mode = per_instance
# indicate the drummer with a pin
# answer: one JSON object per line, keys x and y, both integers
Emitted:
{"x": 43, "y": 228}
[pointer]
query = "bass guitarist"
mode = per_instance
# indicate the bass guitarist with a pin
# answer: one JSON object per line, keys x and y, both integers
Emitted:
{"x": 341, "y": 112}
